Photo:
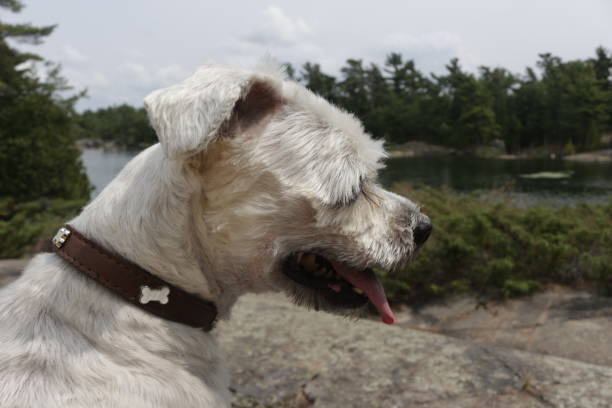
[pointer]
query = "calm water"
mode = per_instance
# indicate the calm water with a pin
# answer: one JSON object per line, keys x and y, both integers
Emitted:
{"x": 102, "y": 166}
{"x": 591, "y": 182}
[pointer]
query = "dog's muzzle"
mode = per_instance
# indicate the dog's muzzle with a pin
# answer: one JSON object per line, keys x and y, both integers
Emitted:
{"x": 338, "y": 283}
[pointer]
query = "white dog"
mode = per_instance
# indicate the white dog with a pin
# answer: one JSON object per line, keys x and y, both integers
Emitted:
{"x": 256, "y": 185}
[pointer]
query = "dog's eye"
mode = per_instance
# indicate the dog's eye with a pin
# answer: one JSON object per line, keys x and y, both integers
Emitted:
{"x": 347, "y": 202}
{"x": 350, "y": 201}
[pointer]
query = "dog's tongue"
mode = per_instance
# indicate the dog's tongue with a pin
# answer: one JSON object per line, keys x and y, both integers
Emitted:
{"x": 369, "y": 284}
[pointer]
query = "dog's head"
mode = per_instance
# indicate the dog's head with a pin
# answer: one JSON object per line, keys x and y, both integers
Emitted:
{"x": 285, "y": 188}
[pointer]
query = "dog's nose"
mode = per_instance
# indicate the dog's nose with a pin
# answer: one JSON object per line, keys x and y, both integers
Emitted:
{"x": 421, "y": 232}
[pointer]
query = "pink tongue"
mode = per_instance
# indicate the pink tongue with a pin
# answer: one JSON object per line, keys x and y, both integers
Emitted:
{"x": 367, "y": 281}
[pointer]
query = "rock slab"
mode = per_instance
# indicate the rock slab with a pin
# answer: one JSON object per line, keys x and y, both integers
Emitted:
{"x": 570, "y": 323}
{"x": 281, "y": 355}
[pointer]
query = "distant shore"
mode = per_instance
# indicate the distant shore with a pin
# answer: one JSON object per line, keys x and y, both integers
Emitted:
{"x": 107, "y": 145}
{"x": 423, "y": 149}
{"x": 602, "y": 156}
{"x": 98, "y": 144}
{"x": 419, "y": 149}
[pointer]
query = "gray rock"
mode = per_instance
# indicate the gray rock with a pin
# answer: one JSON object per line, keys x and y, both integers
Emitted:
{"x": 10, "y": 269}
{"x": 281, "y": 355}
{"x": 574, "y": 324}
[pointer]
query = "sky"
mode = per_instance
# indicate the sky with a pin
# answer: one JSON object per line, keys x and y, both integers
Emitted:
{"x": 122, "y": 50}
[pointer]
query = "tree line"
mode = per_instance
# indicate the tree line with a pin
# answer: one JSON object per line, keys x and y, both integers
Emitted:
{"x": 558, "y": 105}
{"x": 124, "y": 125}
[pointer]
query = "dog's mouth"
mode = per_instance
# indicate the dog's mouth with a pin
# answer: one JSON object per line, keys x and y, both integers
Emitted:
{"x": 338, "y": 283}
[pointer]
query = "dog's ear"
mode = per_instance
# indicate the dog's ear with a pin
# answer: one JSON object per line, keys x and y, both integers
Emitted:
{"x": 189, "y": 115}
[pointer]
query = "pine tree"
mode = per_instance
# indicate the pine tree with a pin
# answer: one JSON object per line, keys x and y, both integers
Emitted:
{"x": 471, "y": 118}
{"x": 318, "y": 82}
{"x": 38, "y": 155}
{"x": 602, "y": 65}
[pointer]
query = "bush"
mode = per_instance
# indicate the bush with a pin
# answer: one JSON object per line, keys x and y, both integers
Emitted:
{"x": 494, "y": 249}
{"x": 23, "y": 224}
{"x": 39, "y": 157}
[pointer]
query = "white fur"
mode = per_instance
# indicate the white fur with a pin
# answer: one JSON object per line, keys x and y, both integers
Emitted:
{"x": 214, "y": 209}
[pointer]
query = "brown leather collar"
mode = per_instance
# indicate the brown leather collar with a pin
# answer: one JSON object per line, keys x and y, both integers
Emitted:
{"x": 133, "y": 283}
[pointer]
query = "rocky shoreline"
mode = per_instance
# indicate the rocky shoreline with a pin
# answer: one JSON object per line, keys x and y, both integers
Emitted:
{"x": 600, "y": 156}
{"x": 494, "y": 151}
{"x": 419, "y": 149}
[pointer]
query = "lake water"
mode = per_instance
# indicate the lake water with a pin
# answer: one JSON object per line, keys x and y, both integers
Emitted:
{"x": 589, "y": 182}
{"x": 102, "y": 166}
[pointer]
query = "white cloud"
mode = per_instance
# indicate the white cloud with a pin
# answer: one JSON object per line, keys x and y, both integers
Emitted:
{"x": 71, "y": 54}
{"x": 100, "y": 80}
{"x": 436, "y": 40}
{"x": 171, "y": 73}
{"x": 292, "y": 39}
{"x": 150, "y": 76}
{"x": 128, "y": 83}
{"x": 86, "y": 78}
{"x": 277, "y": 28}
{"x": 431, "y": 51}
{"x": 135, "y": 71}
{"x": 274, "y": 33}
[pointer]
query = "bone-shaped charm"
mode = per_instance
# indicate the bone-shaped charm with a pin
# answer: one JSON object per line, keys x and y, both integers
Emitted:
{"x": 156, "y": 295}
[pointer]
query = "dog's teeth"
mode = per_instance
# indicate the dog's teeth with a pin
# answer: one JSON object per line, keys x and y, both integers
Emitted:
{"x": 358, "y": 291}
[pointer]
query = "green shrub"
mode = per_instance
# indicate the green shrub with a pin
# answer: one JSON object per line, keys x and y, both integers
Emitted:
{"x": 569, "y": 149}
{"x": 494, "y": 249}
{"x": 23, "y": 224}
